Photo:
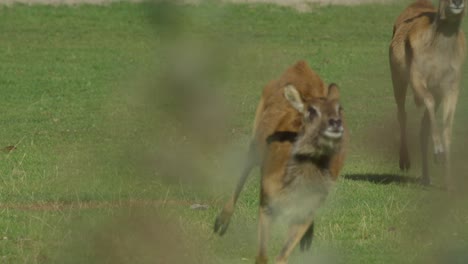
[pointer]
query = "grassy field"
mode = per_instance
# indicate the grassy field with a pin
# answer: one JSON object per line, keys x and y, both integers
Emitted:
{"x": 123, "y": 116}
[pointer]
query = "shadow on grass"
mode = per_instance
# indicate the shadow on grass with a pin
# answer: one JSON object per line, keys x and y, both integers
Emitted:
{"x": 382, "y": 178}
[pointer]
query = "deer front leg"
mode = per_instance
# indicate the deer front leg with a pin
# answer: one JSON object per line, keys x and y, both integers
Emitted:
{"x": 448, "y": 112}
{"x": 423, "y": 139}
{"x": 295, "y": 233}
{"x": 264, "y": 221}
{"x": 423, "y": 94}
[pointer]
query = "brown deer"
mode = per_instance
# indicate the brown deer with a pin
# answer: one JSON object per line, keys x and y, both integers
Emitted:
{"x": 427, "y": 52}
{"x": 277, "y": 124}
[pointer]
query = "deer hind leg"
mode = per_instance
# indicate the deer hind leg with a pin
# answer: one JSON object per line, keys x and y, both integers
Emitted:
{"x": 264, "y": 221}
{"x": 223, "y": 219}
{"x": 295, "y": 233}
{"x": 400, "y": 84}
{"x": 306, "y": 240}
{"x": 448, "y": 112}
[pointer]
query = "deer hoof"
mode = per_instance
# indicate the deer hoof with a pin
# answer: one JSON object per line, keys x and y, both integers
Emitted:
{"x": 222, "y": 223}
{"x": 425, "y": 181}
{"x": 405, "y": 164}
{"x": 439, "y": 158}
{"x": 261, "y": 260}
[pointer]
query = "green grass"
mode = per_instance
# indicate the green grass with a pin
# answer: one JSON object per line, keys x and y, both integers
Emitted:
{"x": 154, "y": 104}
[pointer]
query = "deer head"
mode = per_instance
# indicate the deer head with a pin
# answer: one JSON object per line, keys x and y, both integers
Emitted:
{"x": 322, "y": 126}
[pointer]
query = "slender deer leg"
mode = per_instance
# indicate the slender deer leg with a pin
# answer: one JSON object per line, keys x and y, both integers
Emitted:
{"x": 448, "y": 112}
{"x": 423, "y": 137}
{"x": 422, "y": 93}
{"x": 400, "y": 84}
{"x": 424, "y": 140}
{"x": 295, "y": 233}
{"x": 223, "y": 219}
{"x": 264, "y": 221}
{"x": 405, "y": 162}
{"x": 306, "y": 240}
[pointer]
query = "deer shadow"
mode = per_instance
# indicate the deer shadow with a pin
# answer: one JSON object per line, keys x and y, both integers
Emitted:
{"x": 385, "y": 178}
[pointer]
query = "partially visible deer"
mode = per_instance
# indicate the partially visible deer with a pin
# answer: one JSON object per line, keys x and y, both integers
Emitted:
{"x": 427, "y": 52}
{"x": 294, "y": 188}
{"x": 276, "y": 128}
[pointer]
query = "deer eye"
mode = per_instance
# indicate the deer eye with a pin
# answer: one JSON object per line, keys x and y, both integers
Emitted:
{"x": 339, "y": 108}
{"x": 313, "y": 113}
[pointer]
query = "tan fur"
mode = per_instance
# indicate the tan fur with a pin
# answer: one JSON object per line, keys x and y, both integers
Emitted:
{"x": 275, "y": 114}
{"x": 427, "y": 52}
{"x": 294, "y": 186}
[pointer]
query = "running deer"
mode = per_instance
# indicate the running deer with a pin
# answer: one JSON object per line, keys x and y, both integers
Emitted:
{"x": 427, "y": 52}
{"x": 285, "y": 126}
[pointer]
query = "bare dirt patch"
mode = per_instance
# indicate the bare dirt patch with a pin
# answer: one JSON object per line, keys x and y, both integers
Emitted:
{"x": 301, "y": 5}
{"x": 60, "y": 206}
{"x": 61, "y": 2}
{"x": 304, "y": 5}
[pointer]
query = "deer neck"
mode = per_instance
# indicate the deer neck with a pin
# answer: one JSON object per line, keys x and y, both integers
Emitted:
{"x": 445, "y": 33}
{"x": 320, "y": 162}
{"x": 314, "y": 149}
{"x": 449, "y": 27}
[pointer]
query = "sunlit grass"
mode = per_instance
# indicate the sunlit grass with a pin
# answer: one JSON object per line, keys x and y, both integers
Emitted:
{"x": 103, "y": 150}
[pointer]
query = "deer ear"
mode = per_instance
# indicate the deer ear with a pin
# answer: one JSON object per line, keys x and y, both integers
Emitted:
{"x": 442, "y": 7}
{"x": 333, "y": 93}
{"x": 294, "y": 98}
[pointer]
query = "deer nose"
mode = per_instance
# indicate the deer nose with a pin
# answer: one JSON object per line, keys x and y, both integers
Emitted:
{"x": 336, "y": 123}
{"x": 457, "y": 3}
